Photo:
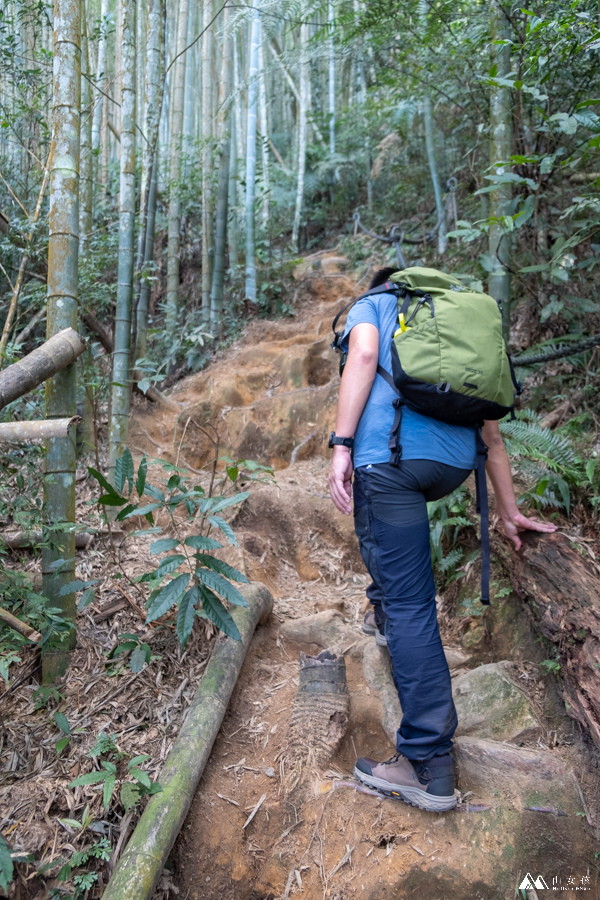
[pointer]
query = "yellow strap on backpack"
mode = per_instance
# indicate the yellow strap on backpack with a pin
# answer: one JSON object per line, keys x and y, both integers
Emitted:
{"x": 403, "y": 326}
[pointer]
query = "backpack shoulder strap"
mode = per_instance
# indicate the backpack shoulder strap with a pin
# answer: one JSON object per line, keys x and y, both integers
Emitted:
{"x": 388, "y": 288}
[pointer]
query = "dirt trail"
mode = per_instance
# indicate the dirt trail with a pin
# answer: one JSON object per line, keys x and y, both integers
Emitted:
{"x": 271, "y": 396}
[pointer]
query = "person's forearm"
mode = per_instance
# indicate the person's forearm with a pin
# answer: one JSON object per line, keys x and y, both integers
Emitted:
{"x": 357, "y": 381}
{"x": 498, "y": 468}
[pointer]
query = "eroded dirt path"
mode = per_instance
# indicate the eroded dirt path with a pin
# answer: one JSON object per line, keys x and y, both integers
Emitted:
{"x": 271, "y": 396}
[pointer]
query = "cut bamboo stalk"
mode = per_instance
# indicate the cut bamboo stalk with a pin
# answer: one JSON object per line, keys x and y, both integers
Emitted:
{"x": 38, "y": 429}
{"x": 141, "y": 865}
{"x": 55, "y": 354}
{"x": 17, "y": 540}
{"x": 22, "y": 627}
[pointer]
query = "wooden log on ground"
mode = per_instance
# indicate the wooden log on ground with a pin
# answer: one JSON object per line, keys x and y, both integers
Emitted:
{"x": 55, "y": 354}
{"x": 22, "y": 627}
{"x": 562, "y": 592}
{"x": 18, "y": 540}
{"x": 38, "y": 429}
{"x": 137, "y": 872}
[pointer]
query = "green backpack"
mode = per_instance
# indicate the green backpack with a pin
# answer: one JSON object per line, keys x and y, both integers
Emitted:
{"x": 449, "y": 361}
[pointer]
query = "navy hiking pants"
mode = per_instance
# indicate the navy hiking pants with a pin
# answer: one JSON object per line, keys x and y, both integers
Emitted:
{"x": 390, "y": 519}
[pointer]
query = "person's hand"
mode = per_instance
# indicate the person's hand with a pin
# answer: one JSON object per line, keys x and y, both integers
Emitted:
{"x": 516, "y": 522}
{"x": 340, "y": 479}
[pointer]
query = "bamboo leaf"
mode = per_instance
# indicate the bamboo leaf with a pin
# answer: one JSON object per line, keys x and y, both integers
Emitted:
{"x": 223, "y": 587}
{"x": 223, "y": 568}
{"x": 199, "y": 542}
{"x": 163, "y": 545}
{"x": 216, "y": 612}
{"x": 225, "y": 527}
{"x": 124, "y": 471}
{"x": 62, "y": 722}
{"x": 168, "y": 595}
{"x": 141, "y": 476}
{"x": 109, "y": 787}
{"x": 141, "y": 776}
{"x": 169, "y": 564}
{"x": 139, "y": 657}
{"x": 186, "y": 615}
{"x": 112, "y": 500}
{"x": 89, "y": 778}
{"x": 143, "y": 510}
{"x": 228, "y": 501}
{"x": 6, "y": 865}
{"x": 130, "y": 794}
{"x": 108, "y": 487}
{"x": 86, "y": 598}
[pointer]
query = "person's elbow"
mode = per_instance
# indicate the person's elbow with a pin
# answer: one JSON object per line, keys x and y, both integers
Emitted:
{"x": 366, "y": 357}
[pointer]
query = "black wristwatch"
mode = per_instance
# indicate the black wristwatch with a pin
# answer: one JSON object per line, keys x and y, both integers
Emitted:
{"x": 344, "y": 442}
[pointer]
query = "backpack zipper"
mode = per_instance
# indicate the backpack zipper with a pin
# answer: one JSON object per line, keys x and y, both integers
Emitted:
{"x": 426, "y": 298}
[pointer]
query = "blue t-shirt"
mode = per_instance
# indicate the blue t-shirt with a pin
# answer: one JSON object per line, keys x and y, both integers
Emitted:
{"x": 421, "y": 437}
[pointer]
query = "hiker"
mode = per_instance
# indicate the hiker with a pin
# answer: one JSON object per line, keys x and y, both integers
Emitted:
{"x": 391, "y": 523}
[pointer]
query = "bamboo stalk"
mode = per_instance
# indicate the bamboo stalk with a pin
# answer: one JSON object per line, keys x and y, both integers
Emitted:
{"x": 141, "y": 865}
{"x": 22, "y": 627}
{"x": 38, "y": 429}
{"x": 61, "y": 320}
{"x": 21, "y": 274}
{"x": 55, "y": 354}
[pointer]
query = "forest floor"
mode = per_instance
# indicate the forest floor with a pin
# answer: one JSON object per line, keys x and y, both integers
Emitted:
{"x": 523, "y": 765}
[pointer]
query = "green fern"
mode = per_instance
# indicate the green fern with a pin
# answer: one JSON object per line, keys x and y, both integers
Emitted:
{"x": 548, "y": 461}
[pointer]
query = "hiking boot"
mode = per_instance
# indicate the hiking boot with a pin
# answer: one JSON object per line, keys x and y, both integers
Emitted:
{"x": 428, "y": 784}
{"x": 369, "y": 626}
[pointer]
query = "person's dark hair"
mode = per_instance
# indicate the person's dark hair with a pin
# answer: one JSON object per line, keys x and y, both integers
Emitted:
{"x": 382, "y": 275}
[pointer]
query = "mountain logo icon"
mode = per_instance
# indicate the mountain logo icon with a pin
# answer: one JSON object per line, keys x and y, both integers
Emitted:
{"x": 530, "y": 883}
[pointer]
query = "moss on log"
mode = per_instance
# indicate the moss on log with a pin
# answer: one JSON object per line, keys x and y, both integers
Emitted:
{"x": 141, "y": 865}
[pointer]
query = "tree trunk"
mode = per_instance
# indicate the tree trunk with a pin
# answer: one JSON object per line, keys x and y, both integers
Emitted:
{"x": 331, "y": 86}
{"x": 63, "y": 255}
{"x": 501, "y": 139}
{"x": 232, "y": 231}
{"x": 264, "y": 132}
{"x": 304, "y": 88}
{"x": 435, "y": 178}
{"x": 251, "y": 154}
{"x": 424, "y": 8}
{"x": 154, "y": 90}
{"x": 174, "y": 213}
{"x": 120, "y": 389}
{"x": 208, "y": 249}
{"x": 101, "y": 80}
{"x": 562, "y": 592}
{"x": 218, "y": 280}
{"x": 86, "y": 183}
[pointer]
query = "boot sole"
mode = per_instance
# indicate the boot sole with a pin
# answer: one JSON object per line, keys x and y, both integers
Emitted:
{"x": 368, "y": 629}
{"x": 412, "y": 795}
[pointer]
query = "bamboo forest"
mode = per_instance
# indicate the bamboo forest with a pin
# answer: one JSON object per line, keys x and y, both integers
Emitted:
{"x": 267, "y": 630}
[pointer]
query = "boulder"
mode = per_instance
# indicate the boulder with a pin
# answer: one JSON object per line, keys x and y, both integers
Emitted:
{"x": 378, "y": 675}
{"x": 490, "y": 705}
{"x": 534, "y": 780}
{"x": 327, "y": 629}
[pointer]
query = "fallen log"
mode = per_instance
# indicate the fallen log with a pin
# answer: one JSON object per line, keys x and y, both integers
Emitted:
{"x": 22, "y": 627}
{"x": 17, "y": 540}
{"x": 142, "y": 863}
{"x": 106, "y": 340}
{"x": 561, "y": 590}
{"x": 38, "y": 429}
{"x": 55, "y": 354}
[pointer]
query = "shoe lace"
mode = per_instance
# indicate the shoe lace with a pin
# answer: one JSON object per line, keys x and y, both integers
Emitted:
{"x": 392, "y": 759}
